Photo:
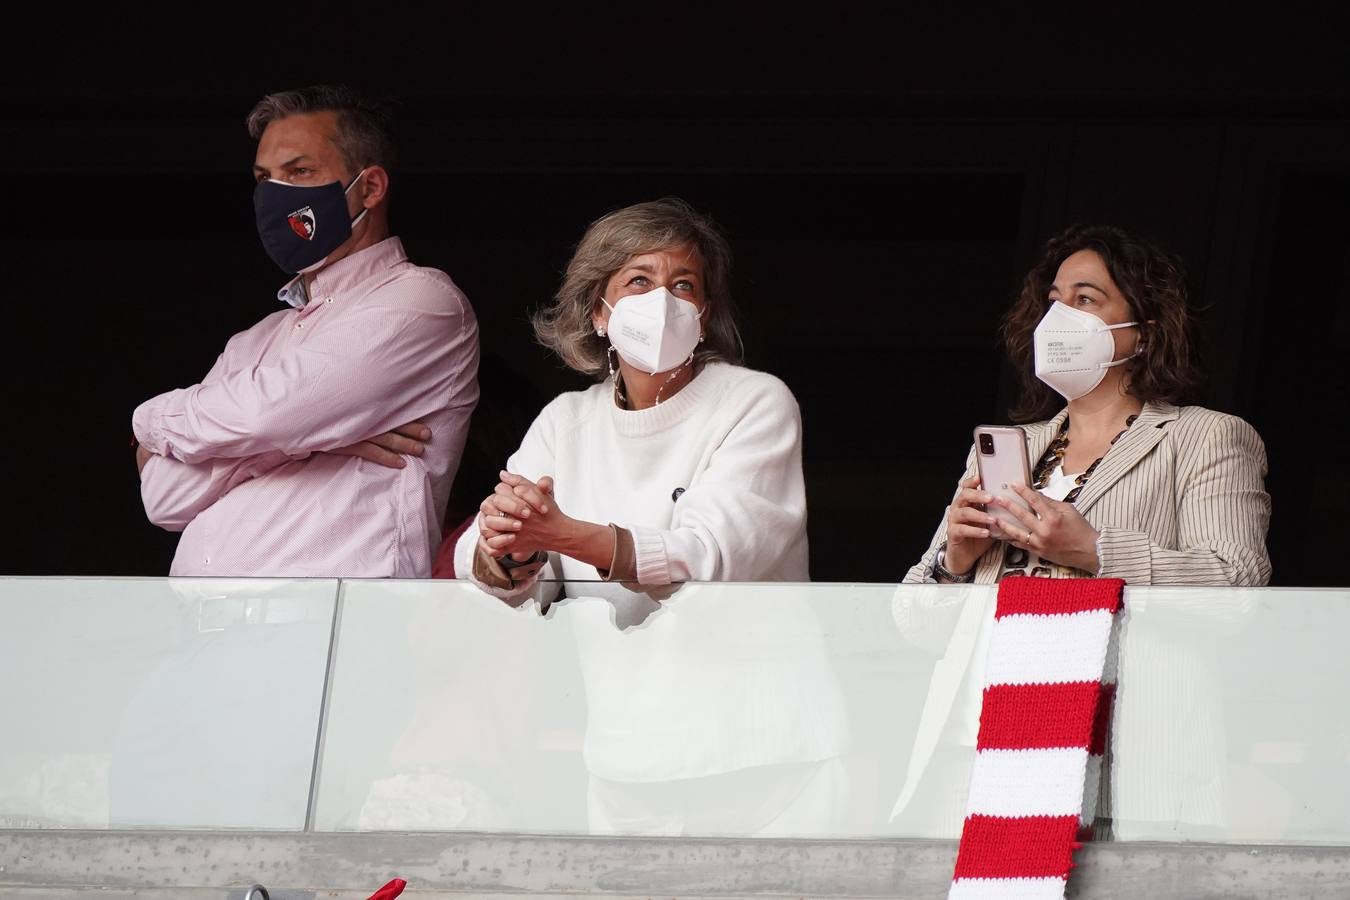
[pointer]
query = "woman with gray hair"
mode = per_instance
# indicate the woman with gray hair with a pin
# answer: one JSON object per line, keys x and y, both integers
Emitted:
{"x": 680, "y": 464}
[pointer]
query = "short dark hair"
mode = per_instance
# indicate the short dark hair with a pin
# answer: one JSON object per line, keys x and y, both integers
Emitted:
{"x": 364, "y": 122}
{"x": 1168, "y": 369}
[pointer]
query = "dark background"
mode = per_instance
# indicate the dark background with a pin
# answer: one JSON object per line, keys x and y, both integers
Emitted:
{"x": 884, "y": 180}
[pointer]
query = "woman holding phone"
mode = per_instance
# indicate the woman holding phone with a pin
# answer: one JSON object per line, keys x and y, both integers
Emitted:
{"x": 1125, "y": 481}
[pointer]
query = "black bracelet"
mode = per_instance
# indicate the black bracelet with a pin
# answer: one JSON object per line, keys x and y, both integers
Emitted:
{"x": 507, "y": 563}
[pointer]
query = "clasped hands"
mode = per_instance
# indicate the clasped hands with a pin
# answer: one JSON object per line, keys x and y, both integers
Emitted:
{"x": 1054, "y": 530}
{"x": 521, "y": 517}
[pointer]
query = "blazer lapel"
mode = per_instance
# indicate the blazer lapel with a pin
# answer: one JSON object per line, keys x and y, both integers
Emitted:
{"x": 1133, "y": 446}
{"x": 1041, "y": 434}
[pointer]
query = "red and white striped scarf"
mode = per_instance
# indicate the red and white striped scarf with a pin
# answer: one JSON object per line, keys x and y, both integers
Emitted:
{"x": 1049, "y": 684}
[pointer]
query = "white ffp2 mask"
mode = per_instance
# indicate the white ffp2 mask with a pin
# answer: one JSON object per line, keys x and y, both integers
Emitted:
{"x": 653, "y": 332}
{"x": 1074, "y": 349}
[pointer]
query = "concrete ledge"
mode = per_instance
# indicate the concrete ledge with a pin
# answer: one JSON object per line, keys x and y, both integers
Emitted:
{"x": 112, "y": 865}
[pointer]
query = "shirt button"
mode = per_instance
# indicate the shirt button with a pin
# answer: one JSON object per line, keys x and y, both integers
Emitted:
{"x": 328, "y": 300}
{"x": 299, "y": 324}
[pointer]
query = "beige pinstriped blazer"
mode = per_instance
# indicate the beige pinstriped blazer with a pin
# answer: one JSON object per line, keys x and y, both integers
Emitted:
{"x": 1179, "y": 499}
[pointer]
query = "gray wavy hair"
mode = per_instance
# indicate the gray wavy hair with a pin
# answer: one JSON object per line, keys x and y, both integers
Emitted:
{"x": 565, "y": 325}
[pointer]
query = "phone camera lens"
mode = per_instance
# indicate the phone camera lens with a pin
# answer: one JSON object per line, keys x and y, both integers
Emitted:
{"x": 987, "y": 444}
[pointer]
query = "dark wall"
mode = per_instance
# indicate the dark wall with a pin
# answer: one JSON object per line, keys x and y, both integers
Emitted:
{"x": 883, "y": 192}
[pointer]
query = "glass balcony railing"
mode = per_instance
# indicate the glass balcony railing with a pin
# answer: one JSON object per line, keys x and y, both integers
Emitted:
{"x": 784, "y": 710}
{"x": 186, "y": 703}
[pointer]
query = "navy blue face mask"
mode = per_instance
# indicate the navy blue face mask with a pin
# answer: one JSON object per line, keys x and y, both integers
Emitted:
{"x": 300, "y": 226}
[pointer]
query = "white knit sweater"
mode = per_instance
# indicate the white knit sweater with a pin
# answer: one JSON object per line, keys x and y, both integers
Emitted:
{"x": 719, "y": 677}
{"x": 731, "y": 439}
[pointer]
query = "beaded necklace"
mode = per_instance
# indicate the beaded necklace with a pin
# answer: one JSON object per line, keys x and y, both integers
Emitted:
{"x": 1015, "y": 559}
{"x": 1054, "y": 457}
{"x": 620, "y": 399}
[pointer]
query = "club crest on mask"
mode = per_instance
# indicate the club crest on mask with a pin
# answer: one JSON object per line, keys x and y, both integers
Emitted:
{"x": 302, "y": 223}
{"x": 288, "y": 221}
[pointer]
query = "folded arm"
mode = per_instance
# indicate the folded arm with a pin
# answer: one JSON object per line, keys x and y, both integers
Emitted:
{"x": 175, "y": 492}
{"x": 382, "y": 368}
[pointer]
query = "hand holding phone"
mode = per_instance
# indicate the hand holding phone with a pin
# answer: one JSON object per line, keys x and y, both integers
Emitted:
{"x": 1001, "y": 459}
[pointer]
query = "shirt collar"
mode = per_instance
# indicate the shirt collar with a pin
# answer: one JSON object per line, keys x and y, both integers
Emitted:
{"x": 344, "y": 274}
{"x": 293, "y": 292}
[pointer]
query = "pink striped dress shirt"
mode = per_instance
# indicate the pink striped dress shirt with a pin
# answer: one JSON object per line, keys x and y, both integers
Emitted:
{"x": 238, "y": 462}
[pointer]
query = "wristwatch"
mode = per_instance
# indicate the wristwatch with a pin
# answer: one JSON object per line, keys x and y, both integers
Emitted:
{"x": 942, "y": 573}
{"x": 507, "y": 563}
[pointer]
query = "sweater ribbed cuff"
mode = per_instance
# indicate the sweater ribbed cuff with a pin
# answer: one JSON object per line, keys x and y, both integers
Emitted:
{"x": 1125, "y": 554}
{"x": 649, "y": 550}
{"x": 623, "y": 563}
{"x": 485, "y": 573}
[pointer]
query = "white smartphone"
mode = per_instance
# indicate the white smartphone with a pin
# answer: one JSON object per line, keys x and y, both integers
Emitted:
{"x": 1001, "y": 459}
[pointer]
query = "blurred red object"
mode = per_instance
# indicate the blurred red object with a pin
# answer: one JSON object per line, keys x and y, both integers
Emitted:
{"x": 390, "y": 890}
{"x": 444, "y": 564}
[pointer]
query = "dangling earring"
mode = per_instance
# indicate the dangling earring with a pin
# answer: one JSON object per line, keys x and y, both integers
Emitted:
{"x": 614, "y": 376}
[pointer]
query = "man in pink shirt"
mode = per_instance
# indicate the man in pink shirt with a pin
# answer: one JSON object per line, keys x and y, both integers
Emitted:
{"x": 324, "y": 440}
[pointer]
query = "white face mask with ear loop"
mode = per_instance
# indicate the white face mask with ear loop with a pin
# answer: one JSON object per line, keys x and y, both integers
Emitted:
{"x": 1074, "y": 349}
{"x": 654, "y": 332}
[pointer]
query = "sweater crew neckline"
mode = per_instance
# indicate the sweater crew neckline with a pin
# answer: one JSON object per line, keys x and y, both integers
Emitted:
{"x": 668, "y": 413}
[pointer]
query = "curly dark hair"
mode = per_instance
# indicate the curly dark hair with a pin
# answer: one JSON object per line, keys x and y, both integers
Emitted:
{"x": 1152, "y": 280}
